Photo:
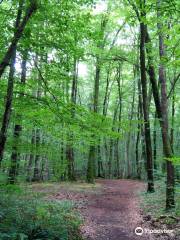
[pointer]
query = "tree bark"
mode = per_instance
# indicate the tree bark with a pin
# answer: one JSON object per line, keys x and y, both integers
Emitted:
{"x": 91, "y": 159}
{"x": 145, "y": 103}
{"x": 105, "y": 102}
{"x": 170, "y": 203}
{"x": 119, "y": 84}
{"x": 138, "y": 167}
{"x": 91, "y": 165}
{"x": 10, "y": 88}
{"x": 31, "y": 157}
{"x": 69, "y": 147}
{"x": 13, "y": 171}
{"x": 154, "y": 142}
{"x": 36, "y": 171}
{"x": 129, "y": 167}
{"x": 152, "y": 76}
{"x": 38, "y": 138}
{"x": 111, "y": 148}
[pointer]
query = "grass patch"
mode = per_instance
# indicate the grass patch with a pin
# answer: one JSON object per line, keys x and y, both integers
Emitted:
{"x": 25, "y": 215}
{"x": 52, "y": 188}
{"x": 154, "y": 204}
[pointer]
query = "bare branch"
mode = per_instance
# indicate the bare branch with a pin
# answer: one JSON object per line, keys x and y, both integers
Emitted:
{"x": 116, "y": 36}
{"x": 173, "y": 85}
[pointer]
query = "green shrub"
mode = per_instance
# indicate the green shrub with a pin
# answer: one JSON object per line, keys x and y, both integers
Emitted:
{"x": 26, "y": 217}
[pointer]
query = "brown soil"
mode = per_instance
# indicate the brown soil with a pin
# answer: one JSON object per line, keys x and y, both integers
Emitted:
{"x": 114, "y": 213}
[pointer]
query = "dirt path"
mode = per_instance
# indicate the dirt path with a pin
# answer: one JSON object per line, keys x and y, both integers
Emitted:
{"x": 114, "y": 214}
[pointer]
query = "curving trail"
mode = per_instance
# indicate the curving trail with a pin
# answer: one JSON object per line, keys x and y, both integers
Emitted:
{"x": 114, "y": 213}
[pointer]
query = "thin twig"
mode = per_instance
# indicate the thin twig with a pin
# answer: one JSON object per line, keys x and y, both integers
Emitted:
{"x": 173, "y": 85}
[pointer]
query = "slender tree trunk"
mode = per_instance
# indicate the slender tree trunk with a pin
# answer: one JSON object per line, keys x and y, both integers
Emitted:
{"x": 91, "y": 171}
{"x": 13, "y": 171}
{"x": 105, "y": 102}
{"x": 143, "y": 144}
{"x": 129, "y": 167}
{"x": 111, "y": 150}
{"x": 69, "y": 147}
{"x": 91, "y": 165}
{"x": 138, "y": 167}
{"x": 161, "y": 116}
{"x": 104, "y": 112}
{"x": 70, "y": 159}
{"x": 173, "y": 110}
{"x": 91, "y": 159}
{"x": 17, "y": 132}
{"x": 62, "y": 157}
{"x": 155, "y": 142}
{"x": 119, "y": 83}
{"x": 31, "y": 157}
{"x": 145, "y": 104}
{"x": 110, "y": 174}
{"x": 172, "y": 121}
{"x": 36, "y": 172}
{"x": 10, "y": 88}
{"x": 170, "y": 203}
{"x": 8, "y": 105}
{"x": 99, "y": 162}
{"x": 116, "y": 155}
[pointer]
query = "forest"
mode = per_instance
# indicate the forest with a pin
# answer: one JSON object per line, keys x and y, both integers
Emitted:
{"x": 89, "y": 119}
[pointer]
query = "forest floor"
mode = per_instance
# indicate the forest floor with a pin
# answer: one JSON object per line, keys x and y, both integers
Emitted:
{"x": 111, "y": 208}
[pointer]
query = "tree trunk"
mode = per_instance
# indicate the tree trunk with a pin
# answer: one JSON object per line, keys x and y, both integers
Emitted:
{"x": 31, "y": 157}
{"x": 91, "y": 166}
{"x": 10, "y": 88}
{"x": 17, "y": 131}
{"x": 145, "y": 104}
{"x": 172, "y": 121}
{"x": 138, "y": 167}
{"x": 91, "y": 159}
{"x": 14, "y": 156}
{"x": 161, "y": 113}
{"x": 70, "y": 159}
{"x": 170, "y": 203}
{"x": 69, "y": 147}
{"x": 106, "y": 93}
{"x": 36, "y": 172}
{"x": 119, "y": 83}
{"x": 91, "y": 171}
{"x": 154, "y": 142}
{"x": 38, "y": 139}
{"x": 129, "y": 167}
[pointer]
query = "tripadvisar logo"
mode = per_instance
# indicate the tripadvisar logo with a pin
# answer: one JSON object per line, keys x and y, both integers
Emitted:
{"x": 139, "y": 231}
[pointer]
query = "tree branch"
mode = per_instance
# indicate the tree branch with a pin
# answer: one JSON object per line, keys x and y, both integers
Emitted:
{"x": 173, "y": 85}
{"x": 135, "y": 9}
{"x": 17, "y": 35}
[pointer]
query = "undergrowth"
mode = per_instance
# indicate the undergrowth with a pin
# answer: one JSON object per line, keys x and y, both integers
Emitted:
{"x": 25, "y": 215}
{"x": 154, "y": 204}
